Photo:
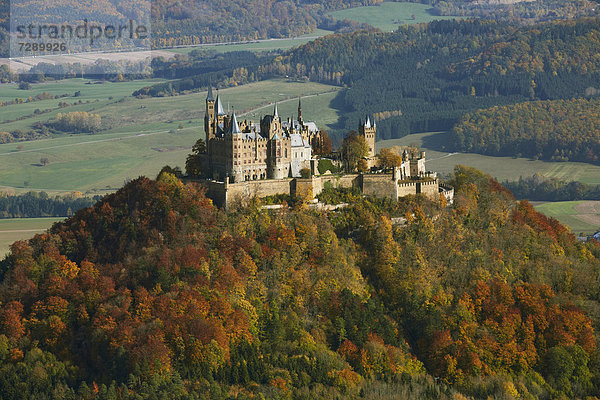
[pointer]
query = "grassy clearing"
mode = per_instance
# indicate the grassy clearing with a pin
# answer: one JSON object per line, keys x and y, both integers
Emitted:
{"x": 566, "y": 212}
{"x": 93, "y": 96}
{"x": 502, "y": 168}
{"x": 261, "y": 45}
{"x": 143, "y": 135}
{"x": 389, "y": 15}
{"x": 15, "y": 229}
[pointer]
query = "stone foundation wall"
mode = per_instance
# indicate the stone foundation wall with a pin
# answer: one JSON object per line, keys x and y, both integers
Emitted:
{"x": 380, "y": 185}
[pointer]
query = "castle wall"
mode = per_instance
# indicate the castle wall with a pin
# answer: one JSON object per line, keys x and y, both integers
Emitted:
{"x": 305, "y": 188}
{"x": 430, "y": 189}
{"x": 448, "y": 192}
{"x": 244, "y": 191}
{"x": 380, "y": 185}
{"x": 341, "y": 181}
{"x": 215, "y": 191}
{"x": 405, "y": 189}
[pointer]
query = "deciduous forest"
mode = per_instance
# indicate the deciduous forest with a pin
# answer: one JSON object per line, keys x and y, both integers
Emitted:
{"x": 559, "y": 130}
{"x": 449, "y": 68}
{"x": 154, "y": 292}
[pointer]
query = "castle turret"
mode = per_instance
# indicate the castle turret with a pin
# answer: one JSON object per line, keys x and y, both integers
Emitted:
{"x": 220, "y": 110}
{"x": 234, "y": 127}
{"x": 368, "y": 130}
{"x": 300, "y": 111}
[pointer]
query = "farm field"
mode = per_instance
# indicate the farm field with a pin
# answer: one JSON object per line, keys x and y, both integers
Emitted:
{"x": 259, "y": 45}
{"x": 583, "y": 217}
{"x": 501, "y": 168}
{"x": 389, "y": 15}
{"x": 142, "y": 135}
{"x": 15, "y": 229}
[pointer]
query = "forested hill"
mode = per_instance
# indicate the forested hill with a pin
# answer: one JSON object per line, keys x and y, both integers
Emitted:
{"x": 214, "y": 21}
{"x": 155, "y": 293}
{"x": 557, "y": 130}
{"x": 178, "y": 23}
{"x": 435, "y": 73}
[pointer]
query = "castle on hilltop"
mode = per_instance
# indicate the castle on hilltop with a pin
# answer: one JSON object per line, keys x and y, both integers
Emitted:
{"x": 246, "y": 159}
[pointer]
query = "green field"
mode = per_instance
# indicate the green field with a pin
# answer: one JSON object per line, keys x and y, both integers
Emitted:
{"x": 141, "y": 135}
{"x": 15, "y": 229}
{"x": 261, "y": 45}
{"x": 389, "y": 15}
{"x": 566, "y": 212}
{"x": 502, "y": 168}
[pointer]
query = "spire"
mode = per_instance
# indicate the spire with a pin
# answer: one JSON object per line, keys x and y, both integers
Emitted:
{"x": 220, "y": 110}
{"x": 209, "y": 96}
{"x": 299, "y": 108}
{"x": 234, "y": 127}
{"x": 275, "y": 111}
{"x": 368, "y": 123}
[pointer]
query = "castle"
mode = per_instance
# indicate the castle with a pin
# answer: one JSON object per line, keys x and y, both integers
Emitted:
{"x": 245, "y": 151}
{"x": 244, "y": 160}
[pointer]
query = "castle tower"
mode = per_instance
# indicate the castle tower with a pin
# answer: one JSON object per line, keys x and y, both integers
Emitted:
{"x": 275, "y": 157}
{"x": 209, "y": 116}
{"x": 234, "y": 140}
{"x": 300, "y": 111}
{"x": 368, "y": 130}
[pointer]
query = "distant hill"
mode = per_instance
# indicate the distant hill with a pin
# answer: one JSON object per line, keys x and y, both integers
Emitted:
{"x": 433, "y": 74}
{"x": 558, "y": 130}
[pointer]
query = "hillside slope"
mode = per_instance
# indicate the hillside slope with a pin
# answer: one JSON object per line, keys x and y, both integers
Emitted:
{"x": 154, "y": 291}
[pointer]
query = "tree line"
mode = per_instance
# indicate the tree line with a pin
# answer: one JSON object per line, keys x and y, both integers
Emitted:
{"x": 539, "y": 188}
{"x": 41, "y": 204}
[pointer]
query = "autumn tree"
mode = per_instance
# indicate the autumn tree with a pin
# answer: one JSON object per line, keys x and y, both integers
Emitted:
{"x": 389, "y": 158}
{"x": 322, "y": 144}
{"x": 193, "y": 164}
{"x": 354, "y": 148}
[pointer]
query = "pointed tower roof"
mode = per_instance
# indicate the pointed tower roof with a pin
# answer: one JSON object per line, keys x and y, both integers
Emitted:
{"x": 368, "y": 123}
{"x": 209, "y": 96}
{"x": 234, "y": 127}
{"x": 276, "y": 111}
{"x": 220, "y": 110}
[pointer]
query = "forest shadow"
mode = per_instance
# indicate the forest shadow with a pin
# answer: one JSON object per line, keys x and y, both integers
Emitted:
{"x": 439, "y": 141}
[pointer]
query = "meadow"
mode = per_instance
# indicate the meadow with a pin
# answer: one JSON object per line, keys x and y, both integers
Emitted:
{"x": 501, "y": 168}
{"x": 15, "y": 229}
{"x": 389, "y": 15}
{"x": 140, "y": 136}
{"x": 583, "y": 217}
